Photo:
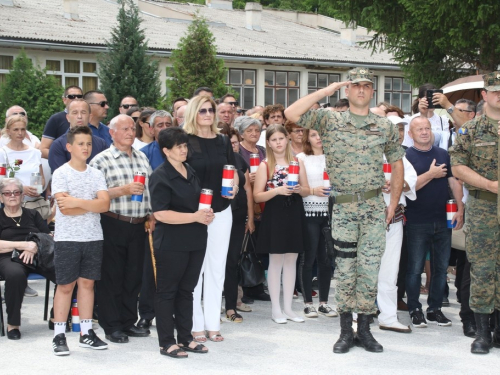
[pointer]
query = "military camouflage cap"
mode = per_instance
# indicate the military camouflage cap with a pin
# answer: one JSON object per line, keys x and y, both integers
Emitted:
{"x": 492, "y": 81}
{"x": 360, "y": 74}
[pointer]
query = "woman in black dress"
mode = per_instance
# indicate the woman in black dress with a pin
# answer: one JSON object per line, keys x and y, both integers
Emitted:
{"x": 282, "y": 221}
{"x": 180, "y": 240}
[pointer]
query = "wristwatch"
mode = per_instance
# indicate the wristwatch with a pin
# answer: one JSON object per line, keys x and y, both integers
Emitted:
{"x": 450, "y": 110}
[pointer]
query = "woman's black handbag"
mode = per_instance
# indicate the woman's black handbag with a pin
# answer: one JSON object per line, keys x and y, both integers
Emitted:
{"x": 15, "y": 258}
{"x": 250, "y": 267}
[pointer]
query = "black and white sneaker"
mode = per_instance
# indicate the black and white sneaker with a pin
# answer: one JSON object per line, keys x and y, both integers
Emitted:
{"x": 92, "y": 341}
{"x": 418, "y": 319}
{"x": 310, "y": 311}
{"x": 438, "y": 318}
{"x": 59, "y": 345}
{"x": 327, "y": 310}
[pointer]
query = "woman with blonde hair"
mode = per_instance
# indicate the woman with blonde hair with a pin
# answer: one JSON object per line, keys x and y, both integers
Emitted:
{"x": 281, "y": 228}
{"x": 208, "y": 153}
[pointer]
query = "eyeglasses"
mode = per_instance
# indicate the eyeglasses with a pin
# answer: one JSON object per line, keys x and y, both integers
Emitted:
{"x": 234, "y": 104}
{"x": 204, "y": 111}
{"x": 103, "y": 104}
{"x": 240, "y": 111}
{"x": 297, "y": 131}
{"x": 15, "y": 193}
{"x": 74, "y": 96}
{"x": 19, "y": 113}
{"x": 465, "y": 110}
{"x": 127, "y": 106}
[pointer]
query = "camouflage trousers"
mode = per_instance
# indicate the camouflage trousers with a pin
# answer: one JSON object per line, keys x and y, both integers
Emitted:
{"x": 482, "y": 244}
{"x": 358, "y": 229}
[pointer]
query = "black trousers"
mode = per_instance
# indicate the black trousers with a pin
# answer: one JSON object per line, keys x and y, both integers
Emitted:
{"x": 403, "y": 265}
{"x": 460, "y": 265}
{"x": 466, "y": 314}
{"x": 122, "y": 263}
{"x": 148, "y": 288}
{"x": 315, "y": 249}
{"x": 16, "y": 279}
{"x": 177, "y": 274}
{"x": 233, "y": 255}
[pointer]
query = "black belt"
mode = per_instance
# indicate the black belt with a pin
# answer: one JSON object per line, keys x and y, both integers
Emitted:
{"x": 127, "y": 219}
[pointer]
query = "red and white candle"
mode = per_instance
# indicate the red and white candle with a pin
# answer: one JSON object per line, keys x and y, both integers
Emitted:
{"x": 227, "y": 180}
{"x": 387, "y": 171}
{"x": 326, "y": 181}
{"x": 293, "y": 173}
{"x": 3, "y": 171}
{"x": 254, "y": 162}
{"x": 205, "y": 199}
{"x": 451, "y": 210}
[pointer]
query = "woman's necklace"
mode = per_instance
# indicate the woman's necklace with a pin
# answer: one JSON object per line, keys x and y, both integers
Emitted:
{"x": 17, "y": 223}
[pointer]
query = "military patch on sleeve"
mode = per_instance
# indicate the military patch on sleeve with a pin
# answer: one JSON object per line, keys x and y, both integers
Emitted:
{"x": 463, "y": 131}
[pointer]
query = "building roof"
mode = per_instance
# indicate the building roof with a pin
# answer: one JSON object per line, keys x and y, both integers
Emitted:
{"x": 280, "y": 38}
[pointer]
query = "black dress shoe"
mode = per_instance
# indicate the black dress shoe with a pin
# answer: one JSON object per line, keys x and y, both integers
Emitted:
{"x": 247, "y": 300}
{"x": 14, "y": 334}
{"x": 118, "y": 337}
{"x": 144, "y": 323}
{"x": 262, "y": 297}
{"x": 137, "y": 332}
{"x": 469, "y": 329}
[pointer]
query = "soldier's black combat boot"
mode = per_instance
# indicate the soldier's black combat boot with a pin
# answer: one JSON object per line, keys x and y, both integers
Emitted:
{"x": 346, "y": 339}
{"x": 496, "y": 332}
{"x": 364, "y": 337}
{"x": 482, "y": 343}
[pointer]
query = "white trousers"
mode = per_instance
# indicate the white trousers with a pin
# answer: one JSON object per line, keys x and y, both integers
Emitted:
{"x": 387, "y": 296}
{"x": 212, "y": 274}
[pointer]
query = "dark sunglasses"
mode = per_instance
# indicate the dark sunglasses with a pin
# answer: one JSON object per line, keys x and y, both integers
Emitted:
{"x": 74, "y": 96}
{"x": 19, "y": 113}
{"x": 127, "y": 106}
{"x": 16, "y": 193}
{"x": 235, "y": 104}
{"x": 204, "y": 111}
{"x": 102, "y": 104}
{"x": 465, "y": 110}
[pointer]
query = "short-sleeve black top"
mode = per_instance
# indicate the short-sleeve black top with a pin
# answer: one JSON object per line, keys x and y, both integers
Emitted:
{"x": 170, "y": 191}
{"x": 208, "y": 156}
{"x": 31, "y": 222}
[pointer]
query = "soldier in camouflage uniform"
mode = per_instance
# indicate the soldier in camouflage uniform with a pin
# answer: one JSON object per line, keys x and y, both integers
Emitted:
{"x": 354, "y": 143}
{"x": 474, "y": 159}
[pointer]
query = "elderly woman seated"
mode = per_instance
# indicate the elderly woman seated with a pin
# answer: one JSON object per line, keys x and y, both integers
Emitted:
{"x": 16, "y": 223}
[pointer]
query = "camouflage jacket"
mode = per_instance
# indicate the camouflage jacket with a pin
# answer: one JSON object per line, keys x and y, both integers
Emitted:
{"x": 476, "y": 146}
{"x": 354, "y": 153}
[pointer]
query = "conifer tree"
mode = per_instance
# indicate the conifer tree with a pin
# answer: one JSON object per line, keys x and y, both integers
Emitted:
{"x": 34, "y": 90}
{"x": 126, "y": 69}
{"x": 195, "y": 63}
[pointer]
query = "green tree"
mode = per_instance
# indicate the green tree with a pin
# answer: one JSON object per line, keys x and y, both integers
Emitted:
{"x": 31, "y": 88}
{"x": 195, "y": 63}
{"x": 433, "y": 41}
{"x": 126, "y": 68}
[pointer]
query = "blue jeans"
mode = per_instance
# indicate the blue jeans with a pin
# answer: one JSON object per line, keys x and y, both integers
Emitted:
{"x": 435, "y": 237}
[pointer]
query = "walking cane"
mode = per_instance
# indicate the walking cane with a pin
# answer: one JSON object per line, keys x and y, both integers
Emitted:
{"x": 150, "y": 237}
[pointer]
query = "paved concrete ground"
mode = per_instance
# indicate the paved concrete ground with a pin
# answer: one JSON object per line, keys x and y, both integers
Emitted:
{"x": 257, "y": 346}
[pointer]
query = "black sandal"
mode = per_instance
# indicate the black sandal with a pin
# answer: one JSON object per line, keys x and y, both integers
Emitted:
{"x": 174, "y": 353}
{"x": 235, "y": 317}
{"x": 197, "y": 349}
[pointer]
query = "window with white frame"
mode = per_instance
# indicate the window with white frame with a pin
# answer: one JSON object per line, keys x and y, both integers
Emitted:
{"x": 242, "y": 81}
{"x": 316, "y": 81}
{"x": 6, "y": 63}
{"x": 397, "y": 91}
{"x": 74, "y": 73}
{"x": 281, "y": 87}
